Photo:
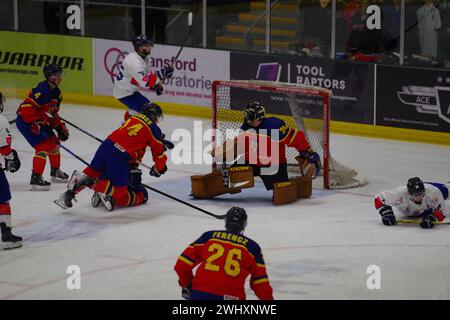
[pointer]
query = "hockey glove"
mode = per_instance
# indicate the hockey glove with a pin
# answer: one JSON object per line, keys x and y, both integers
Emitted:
{"x": 63, "y": 132}
{"x": 186, "y": 292}
{"x": 158, "y": 89}
{"x": 428, "y": 221}
{"x": 156, "y": 173}
{"x": 168, "y": 145}
{"x": 135, "y": 177}
{"x": 387, "y": 216}
{"x": 35, "y": 128}
{"x": 165, "y": 73}
{"x": 313, "y": 158}
{"x": 12, "y": 162}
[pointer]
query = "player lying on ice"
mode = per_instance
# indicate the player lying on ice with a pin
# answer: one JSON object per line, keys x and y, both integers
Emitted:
{"x": 260, "y": 150}
{"x": 417, "y": 199}
{"x": 225, "y": 258}
{"x": 12, "y": 164}
{"x": 112, "y": 159}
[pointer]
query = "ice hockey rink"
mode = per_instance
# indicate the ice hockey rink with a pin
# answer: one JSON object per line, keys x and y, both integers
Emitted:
{"x": 316, "y": 248}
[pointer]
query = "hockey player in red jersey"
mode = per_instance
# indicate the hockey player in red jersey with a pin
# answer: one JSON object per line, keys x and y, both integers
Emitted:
{"x": 280, "y": 136}
{"x": 37, "y": 117}
{"x": 12, "y": 164}
{"x": 114, "y": 155}
{"x": 224, "y": 259}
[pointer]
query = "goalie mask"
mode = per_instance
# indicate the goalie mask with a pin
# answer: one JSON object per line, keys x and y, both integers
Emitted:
{"x": 254, "y": 111}
{"x": 236, "y": 220}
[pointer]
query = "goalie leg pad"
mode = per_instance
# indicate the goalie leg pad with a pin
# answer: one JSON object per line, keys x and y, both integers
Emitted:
{"x": 241, "y": 177}
{"x": 208, "y": 185}
{"x": 304, "y": 186}
{"x": 285, "y": 192}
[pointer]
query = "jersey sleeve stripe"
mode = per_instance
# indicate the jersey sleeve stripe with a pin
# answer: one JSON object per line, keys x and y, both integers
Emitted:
{"x": 186, "y": 260}
{"x": 265, "y": 279}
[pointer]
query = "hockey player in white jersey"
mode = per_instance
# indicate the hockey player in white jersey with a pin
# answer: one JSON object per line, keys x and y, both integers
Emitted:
{"x": 135, "y": 74}
{"x": 417, "y": 199}
{"x": 12, "y": 164}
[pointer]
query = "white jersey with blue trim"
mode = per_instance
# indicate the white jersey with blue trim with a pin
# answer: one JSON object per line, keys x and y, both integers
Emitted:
{"x": 133, "y": 75}
{"x": 401, "y": 199}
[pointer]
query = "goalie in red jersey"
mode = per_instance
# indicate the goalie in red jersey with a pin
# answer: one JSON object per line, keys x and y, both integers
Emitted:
{"x": 224, "y": 259}
{"x": 112, "y": 161}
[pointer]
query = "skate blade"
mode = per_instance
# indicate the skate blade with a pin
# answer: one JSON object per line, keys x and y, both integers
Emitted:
{"x": 11, "y": 245}
{"x": 58, "y": 180}
{"x": 60, "y": 203}
{"x": 39, "y": 188}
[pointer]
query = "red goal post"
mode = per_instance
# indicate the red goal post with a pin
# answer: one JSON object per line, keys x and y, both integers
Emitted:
{"x": 224, "y": 110}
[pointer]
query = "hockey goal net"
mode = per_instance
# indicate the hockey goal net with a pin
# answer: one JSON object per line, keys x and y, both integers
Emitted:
{"x": 301, "y": 107}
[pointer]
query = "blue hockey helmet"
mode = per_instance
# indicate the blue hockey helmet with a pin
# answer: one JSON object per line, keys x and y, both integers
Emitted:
{"x": 51, "y": 69}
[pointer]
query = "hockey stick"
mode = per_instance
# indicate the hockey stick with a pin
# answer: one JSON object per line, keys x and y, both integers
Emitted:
{"x": 82, "y": 130}
{"x": 221, "y": 217}
{"x": 185, "y": 40}
{"x": 418, "y": 221}
{"x": 12, "y": 121}
{"x": 217, "y": 216}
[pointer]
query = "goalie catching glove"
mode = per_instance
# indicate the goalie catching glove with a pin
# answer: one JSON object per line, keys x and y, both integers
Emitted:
{"x": 310, "y": 164}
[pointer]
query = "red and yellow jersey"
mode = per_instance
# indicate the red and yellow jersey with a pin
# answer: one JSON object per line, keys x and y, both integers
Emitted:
{"x": 267, "y": 143}
{"x": 224, "y": 261}
{"x": 41, "y": 100}
{"x": 137, "y": 133}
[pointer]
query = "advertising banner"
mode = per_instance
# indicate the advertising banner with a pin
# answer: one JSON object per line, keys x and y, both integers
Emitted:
{"x": 24, "y": 55}
{"x": 195, "y": 70}
{"x": 351, "y": 83}
{"x": 413, "y": 98}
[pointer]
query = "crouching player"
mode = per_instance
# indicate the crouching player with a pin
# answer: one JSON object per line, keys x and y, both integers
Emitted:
{"x": 225, "y": 258}
{"x": 417, "y": 199}
{"x": 12, "y": 164}
{"x": 113, "y": 158}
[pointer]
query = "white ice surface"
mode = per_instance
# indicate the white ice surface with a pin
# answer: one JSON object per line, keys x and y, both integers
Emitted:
{"x": 317, "y": 248}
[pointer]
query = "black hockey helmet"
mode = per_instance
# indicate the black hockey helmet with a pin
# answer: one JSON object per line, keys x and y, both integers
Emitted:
{"x": 415, "y": 186}
{"x": 51, "y": 69}
{"x": 236, "y": 220}
{"x": 254, "y": 111}
{"x": 141, "y": 40}
{"x": 152, "y": 110}
{"x": 2, "y": 102}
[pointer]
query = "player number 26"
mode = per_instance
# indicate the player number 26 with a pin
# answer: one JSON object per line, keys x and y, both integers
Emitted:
{"x": 231, "y": 267}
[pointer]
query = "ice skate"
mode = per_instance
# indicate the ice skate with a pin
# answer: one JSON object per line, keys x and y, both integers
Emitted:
{"x": 58, "y": 176}
{"x": 38, "y": 183}
{"x": 95, "y": 200}
{"x": 65, "y": 200}
{"x": 9, "y": 240}
{"x": 107, "y": 201}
